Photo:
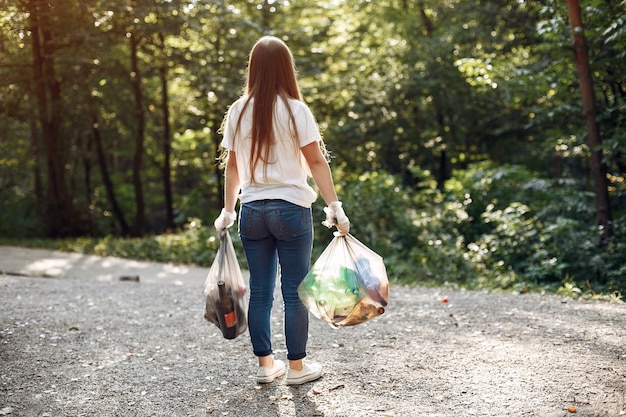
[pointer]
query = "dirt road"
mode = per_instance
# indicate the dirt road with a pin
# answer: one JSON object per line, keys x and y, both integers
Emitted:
{"x": 82, "y": 342}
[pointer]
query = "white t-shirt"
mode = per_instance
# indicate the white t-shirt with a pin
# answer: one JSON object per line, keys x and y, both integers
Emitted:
{"x": 285, "y": 178}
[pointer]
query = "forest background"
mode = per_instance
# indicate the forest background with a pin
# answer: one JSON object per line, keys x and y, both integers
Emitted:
{"x": 460, "y": 147}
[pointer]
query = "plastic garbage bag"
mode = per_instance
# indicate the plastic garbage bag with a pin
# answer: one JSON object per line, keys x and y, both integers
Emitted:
{"x": 225, "y": 291}
{"x": 347, "y": 285}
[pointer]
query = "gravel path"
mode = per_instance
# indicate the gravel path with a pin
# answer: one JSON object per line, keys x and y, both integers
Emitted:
{"x": 81, "y": 342}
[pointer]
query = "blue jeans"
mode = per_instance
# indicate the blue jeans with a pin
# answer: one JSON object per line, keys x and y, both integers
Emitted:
{"x": 277, "y": 232}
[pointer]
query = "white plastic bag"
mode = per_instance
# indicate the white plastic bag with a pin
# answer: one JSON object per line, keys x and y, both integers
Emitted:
{"x": 225, "y": 290}
{"x": 347, "y": 285}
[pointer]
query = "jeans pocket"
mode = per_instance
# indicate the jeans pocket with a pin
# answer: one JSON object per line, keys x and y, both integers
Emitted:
{"x": 292, "y": 222}
{"x": 251, "y": 224}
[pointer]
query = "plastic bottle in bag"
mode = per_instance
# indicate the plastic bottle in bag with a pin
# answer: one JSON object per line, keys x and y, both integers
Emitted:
{"x": 226, "y": 312}
{"x": 369, "y": 280}
{"x": 334, "y": 292}
{"x": 343, "y": 292}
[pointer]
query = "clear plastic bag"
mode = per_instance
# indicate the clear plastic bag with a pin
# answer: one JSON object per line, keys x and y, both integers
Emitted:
{"x": 225, "y": 291}
{"x": 347, "y": 285}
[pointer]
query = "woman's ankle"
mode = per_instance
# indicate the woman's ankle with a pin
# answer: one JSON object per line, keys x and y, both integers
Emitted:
{"x": 266, "y": 361}
{"x": 295, "y": 365}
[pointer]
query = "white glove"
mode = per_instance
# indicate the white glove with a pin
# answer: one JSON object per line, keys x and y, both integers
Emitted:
{"x": 225, "y": 220}
{"x": 335, "y": 216}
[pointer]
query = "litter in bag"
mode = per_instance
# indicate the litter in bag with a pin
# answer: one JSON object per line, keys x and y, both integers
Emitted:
{"x": 225, "y": 291}
{"x": 347, "y": 285}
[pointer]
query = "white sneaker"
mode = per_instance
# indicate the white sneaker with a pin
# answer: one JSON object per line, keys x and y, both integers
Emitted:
{"x": 310, "y": 372}
{"x": 266, "y": 375}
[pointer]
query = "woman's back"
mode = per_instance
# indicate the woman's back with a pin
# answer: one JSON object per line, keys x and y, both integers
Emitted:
{"x": 284, "y": 174}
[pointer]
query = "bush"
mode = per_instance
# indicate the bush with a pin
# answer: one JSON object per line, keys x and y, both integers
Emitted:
{"x": 492, "y": 228}
{"x": 540, "y": 232}
{"x": 18, "y": 214}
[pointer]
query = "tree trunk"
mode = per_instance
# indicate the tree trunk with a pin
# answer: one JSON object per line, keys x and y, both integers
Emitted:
{"x": 442, "y": 165}
{"x": 167, "y": 146}
{"x": 140, "y": 215}
{"x": 34, "y": 146}
{"x": 118, "y": 214}
{"x": 60, "y": 217}
{"x": 598, "y": 168}
{"x": 87, "y": 159}
{"x": 267, "y": 15}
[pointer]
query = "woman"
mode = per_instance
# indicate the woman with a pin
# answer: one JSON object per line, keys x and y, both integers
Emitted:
{"x": 272, "y": 144}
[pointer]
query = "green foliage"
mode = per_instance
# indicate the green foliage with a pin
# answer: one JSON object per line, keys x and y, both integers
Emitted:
{"x": 417, "y": 234}
{"x": 540, "y": 231}
{"x": 27, "y": 224}
{"x": 397, "y": 88}
{"x": 19, "y": 211}
{"x": 493, "y": 228}
{"x": 195, "y": 245}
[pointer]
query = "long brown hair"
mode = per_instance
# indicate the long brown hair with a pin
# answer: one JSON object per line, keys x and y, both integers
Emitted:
{"x": 271, "y": 75}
